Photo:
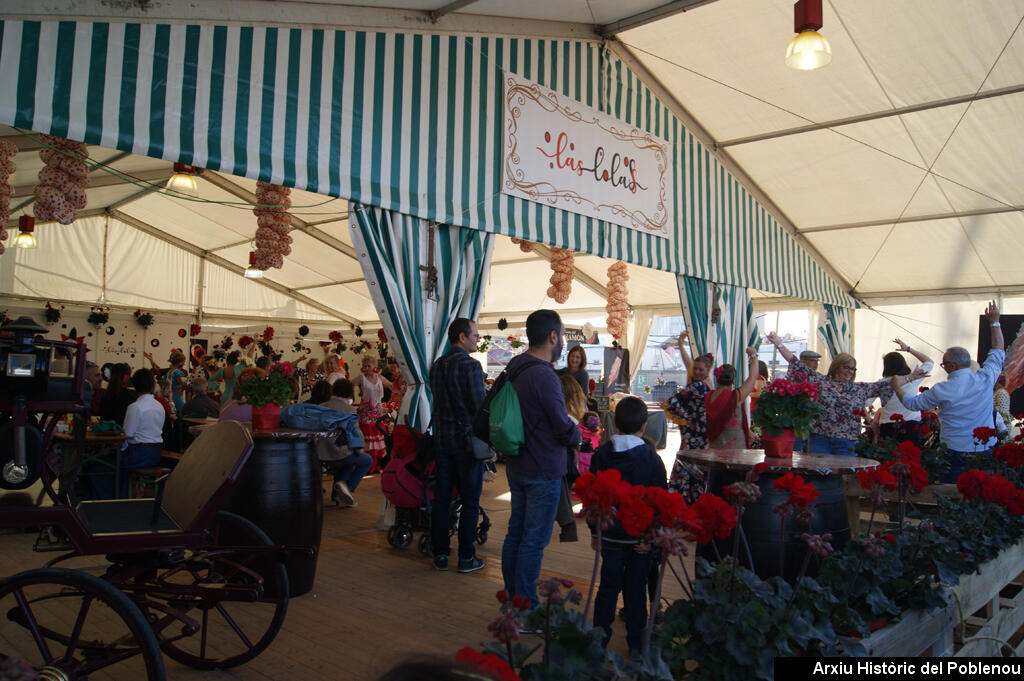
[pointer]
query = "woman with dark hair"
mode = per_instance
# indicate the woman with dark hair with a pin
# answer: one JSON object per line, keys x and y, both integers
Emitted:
{"x": 727, "y": 421}
{"x": 576, "y": 367}
{"x": 118, "y": 395}
{"x": 896, "y": 422}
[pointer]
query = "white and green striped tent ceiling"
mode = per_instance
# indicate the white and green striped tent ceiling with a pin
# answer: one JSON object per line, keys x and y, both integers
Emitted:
{"x": 893, "y": 172}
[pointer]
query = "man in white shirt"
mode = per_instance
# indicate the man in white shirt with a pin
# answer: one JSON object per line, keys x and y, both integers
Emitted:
{"x": 143, "y": 424}
{"x": 964, "y": 399}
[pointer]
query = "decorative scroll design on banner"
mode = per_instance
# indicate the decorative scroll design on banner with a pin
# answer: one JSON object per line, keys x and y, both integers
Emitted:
{"x": 564, "y": 154}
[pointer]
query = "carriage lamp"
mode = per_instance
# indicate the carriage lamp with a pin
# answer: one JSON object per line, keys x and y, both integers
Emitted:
{"x": 26, "y": 227}
{"x": 808, "y": 50}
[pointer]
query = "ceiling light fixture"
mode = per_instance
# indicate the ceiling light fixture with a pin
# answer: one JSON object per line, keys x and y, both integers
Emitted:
{"x": 183, "y": 181}
{"x": 808, "y": 50}
{"x": 26, "y": 227}
{"x": 251, "y": 272}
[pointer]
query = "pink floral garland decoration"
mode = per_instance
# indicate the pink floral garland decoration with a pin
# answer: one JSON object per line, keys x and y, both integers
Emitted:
{"x": 8, "y": 150}
{"x": 562, "y": 273}
{"x": 60, "y": 193}
{"x": 524, "y": 245}
{"x": 618, "y": 305}
{"x": 272, "y": 239}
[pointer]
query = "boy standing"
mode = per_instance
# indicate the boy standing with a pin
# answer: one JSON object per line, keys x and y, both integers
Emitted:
{"x": 623, "y": 566}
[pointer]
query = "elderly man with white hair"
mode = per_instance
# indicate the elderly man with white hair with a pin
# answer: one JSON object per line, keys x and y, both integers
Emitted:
{"x": 964, "y": 399}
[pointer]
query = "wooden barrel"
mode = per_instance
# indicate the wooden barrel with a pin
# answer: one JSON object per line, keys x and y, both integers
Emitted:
{"x": 765, "y": 533}
{"x": 280, "y": 492}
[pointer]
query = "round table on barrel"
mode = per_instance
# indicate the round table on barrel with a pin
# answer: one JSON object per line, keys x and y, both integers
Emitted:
{"x": 761, "y": 526}
{"x": 280, "y": 492}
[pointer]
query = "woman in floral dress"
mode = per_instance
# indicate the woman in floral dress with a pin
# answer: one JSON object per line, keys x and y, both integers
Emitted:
{"x": 688, "y": 409}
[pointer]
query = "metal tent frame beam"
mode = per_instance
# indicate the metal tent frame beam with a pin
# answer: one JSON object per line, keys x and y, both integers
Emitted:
{"x": 155, "y": 232}
{"x": 650, "y": 16}
{"x": 915, "y": 218}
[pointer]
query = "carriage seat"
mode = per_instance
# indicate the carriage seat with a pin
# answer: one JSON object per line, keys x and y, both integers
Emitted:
{"x": 191, "y": 495}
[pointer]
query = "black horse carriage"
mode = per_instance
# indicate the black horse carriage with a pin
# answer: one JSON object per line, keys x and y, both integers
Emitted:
{"x": 172, "y": 574}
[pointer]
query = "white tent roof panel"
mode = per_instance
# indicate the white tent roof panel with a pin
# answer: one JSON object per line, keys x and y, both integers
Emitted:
{"x": 353, "y": 299}
{"x": 227, "y": 293}
{"x": 148, "y": 272}
{"x": 67, "y": 264}
{"x": 205, "y": 225}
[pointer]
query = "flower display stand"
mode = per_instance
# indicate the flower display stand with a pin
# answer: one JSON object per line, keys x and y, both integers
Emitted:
{"x": 937, "y": 633}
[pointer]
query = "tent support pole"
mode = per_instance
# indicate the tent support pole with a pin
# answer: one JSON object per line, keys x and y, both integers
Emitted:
{"x": 200, "y": 287}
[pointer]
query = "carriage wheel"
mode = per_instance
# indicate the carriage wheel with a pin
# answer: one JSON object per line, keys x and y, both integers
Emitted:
{"x": 69, "y": 625}
{"x": 229, "y": 630}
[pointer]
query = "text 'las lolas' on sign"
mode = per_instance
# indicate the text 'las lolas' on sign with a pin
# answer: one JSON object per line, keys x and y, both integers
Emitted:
{"x": 563, "y": 154}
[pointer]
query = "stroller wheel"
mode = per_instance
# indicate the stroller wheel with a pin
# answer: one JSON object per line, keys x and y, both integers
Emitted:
{"x": 392, "y": 535}
{"x": 481, "y": 536}
{"x": 425, "y": 544}
{"x": 403, "y": 537}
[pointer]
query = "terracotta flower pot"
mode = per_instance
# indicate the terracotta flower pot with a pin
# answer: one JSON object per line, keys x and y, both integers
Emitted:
{"x": 267, "y": 417}
{"x": 778, "y": 446}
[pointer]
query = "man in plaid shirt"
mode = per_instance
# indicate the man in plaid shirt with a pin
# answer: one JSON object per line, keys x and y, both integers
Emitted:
{"x": 457, "y": 384}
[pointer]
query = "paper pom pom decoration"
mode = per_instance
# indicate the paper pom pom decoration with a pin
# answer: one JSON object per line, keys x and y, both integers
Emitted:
{"x": 502, "y": 324}
{"x": 562, "y": 273}
{"x": 618, "y": 305}
{"x": 524, "y": 245}
{"x": 272, "y": 239}
{"x": 303, "y": 330}
{"x": 60, "y": 193}
{"x": 8, "y": 150}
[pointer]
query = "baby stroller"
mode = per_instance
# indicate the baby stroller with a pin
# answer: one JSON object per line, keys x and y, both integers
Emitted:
{"x": 408, "y": 483}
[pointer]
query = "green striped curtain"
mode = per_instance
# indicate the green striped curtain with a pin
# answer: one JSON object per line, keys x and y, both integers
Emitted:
{"x": 734, "y": 330}
{"x": 697, "y": 299}
{"x": 391, "y": 247}
{"x": 836, "y": 330}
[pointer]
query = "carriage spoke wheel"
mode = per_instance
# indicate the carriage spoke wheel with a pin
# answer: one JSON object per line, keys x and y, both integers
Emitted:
{"x": 69, "y": 625}
{"x": 227, "y": 629}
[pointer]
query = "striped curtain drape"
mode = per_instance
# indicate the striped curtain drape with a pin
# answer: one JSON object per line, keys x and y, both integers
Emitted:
{"x": 391, "y": 248}
{"x": 730, "y": 333}
{"x": 836, "y": 331}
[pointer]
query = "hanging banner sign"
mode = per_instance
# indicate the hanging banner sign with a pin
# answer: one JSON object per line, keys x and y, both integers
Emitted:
{"x": 563, "y": 154}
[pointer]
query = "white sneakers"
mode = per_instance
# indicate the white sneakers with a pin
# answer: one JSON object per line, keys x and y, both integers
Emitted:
{"x": 344, "y": 497}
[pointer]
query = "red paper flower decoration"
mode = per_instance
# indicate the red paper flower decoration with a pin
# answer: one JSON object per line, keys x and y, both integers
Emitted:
{"x": 8, "y": 150}
{"x": 62, "y": 181}
{"x": 335, "y": 336}
{"x": 268, "y": 333}
{"x": 194, "y": 329}
{"x": 272, "y": 239}
{"x": 618, "y": 305}
{"x": 182, "y": 333}
{"x": 562, "y": 273}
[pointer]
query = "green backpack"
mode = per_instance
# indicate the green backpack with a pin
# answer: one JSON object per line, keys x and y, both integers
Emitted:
{"x": 506, "y": 421}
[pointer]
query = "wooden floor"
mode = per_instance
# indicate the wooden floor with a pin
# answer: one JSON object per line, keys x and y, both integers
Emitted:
{"x": 372, "y": 604}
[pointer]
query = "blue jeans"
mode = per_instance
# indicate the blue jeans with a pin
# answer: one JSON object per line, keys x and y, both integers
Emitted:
{"x": 534, "y": 504}
{"x": 463, "y": 472}
{"x": 625, "y": 570}
{"x": 822, "y": 444}
{"x": 956, "y": 464}
{"x": 351, "y": 469}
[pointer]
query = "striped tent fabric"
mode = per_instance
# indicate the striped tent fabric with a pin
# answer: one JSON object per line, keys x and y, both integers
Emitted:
{"x": 836, "y": 331}
{"x": 697, "y": 297}
{"x": 391, "y": 247}
{"x": 407, "y": 122}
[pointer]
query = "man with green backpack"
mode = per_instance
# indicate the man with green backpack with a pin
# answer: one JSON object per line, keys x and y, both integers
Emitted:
{"x": 534, "y": 471}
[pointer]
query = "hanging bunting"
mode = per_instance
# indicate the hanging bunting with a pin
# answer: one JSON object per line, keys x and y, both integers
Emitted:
{"x": 8, "y": 150}
{"x": 272, "y": 239}
{"x": 562, "y": 273}
{"x": 618, "y": 305}
{"x": 60, "y": 193}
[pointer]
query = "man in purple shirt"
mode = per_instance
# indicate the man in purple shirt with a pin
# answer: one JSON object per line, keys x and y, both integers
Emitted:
{"x": 535, "y": 475}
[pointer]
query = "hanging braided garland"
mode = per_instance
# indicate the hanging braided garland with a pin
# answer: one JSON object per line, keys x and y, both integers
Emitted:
{"x": 8, "y": 150}
{"x": 618, "y": 305}
{"x": 60, "y": 193}
{"x": 562, "y": 273}
{"x": 524, "y": 245}
{"x": 272, "y": 239}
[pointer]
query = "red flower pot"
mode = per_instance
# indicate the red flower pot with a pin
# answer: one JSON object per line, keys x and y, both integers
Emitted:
{"x": 267, "y": 417}
{"x": 778, "y": 446}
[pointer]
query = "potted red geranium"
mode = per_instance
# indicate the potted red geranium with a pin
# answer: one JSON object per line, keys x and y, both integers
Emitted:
{"x": 785, "y": 409}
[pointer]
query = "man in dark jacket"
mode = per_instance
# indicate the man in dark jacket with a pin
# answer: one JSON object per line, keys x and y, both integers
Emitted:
{"x": 457, "y": 384}
{"x": 535, "y": 475}
{"x": 623, "y": 567}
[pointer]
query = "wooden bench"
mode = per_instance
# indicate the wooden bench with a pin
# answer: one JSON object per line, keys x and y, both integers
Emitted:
{"x": 858, "y": 504}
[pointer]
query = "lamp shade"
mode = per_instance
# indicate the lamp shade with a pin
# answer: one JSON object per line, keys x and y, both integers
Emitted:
{"x": 183, "y": 181}
{"x": 26, "y": 227}
{"x": 808, "y": 50}
{"x": 252, "y": 272}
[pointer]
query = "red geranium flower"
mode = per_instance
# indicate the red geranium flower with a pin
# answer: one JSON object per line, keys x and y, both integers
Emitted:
{"x": 1012, "y": 453}
{"x": 244, "y": 342}
{"x": 601, "y": 491}
{"x": 889, "y": 538}
{"x": 984, "y": 434}
{"x": 969, "y": 483}
{"x": 712, "y": 517}
{"x": 268, "y": 334}
{"x": 801, "y": 492}
{"x": 194, "y": 329}
{"x": 909, "y": 452}
{"x": 335, "y": 336}
{"x": 882, "y": 478}
{"x": 925, "y": 430}
{"x": 670, "y": 507}
{"x": 487, "y": 664}
{"x": 1016, "y": 504}
{"x": 896, "y": 418}
{"x": 635, "y": 514}
{"x": 998, "y": 489}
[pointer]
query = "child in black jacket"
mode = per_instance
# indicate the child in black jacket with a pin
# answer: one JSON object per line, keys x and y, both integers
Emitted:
{"x": 623, "y": 567}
